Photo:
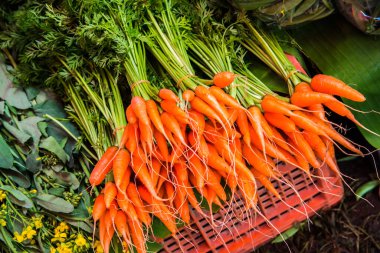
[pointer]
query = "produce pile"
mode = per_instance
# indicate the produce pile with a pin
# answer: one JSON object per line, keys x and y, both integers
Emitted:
{"x": 199, "y": 126}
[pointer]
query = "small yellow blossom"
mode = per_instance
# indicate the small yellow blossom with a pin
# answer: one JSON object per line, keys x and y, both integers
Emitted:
{"x": 2, "y": 195}
{"x": 80, "y": 241}
{"x": 37, "y": 222}
{"x": 18, "y": 238}
{"x": 62, "y": 227}
{"x": 3, "y": 223}
{"x": 63, "y": 248}
{"x": 31, "y": 233}
{"x": 98, "y": 247}
{"x": 61, "y": 237}
{"x": 33, "y": 191}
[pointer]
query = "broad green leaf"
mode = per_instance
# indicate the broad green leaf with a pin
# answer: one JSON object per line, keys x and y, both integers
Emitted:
{"x": 17, "y": 197}
{"x": 21, "y": 136}
{"x": 366, "y": 188}
{"x": 29, "y": 126}
{"x": 33, "y": 164}
{"x": 60, "y": 134}
{"x": 350, "y": 56}
{"x": 153, "y": 246}
{"x": 54, "y": 203}
{"x": 47, "y": 103}
{"x": 268, "y": 77}
{"x": 6, "y": 237}
{"x": 57, "y": 191}
{"x": 286, "y": 235}
{"x": 53, "y": 146}
{"x": 64, "y": 178}
{"x": 82, "y": 225}
{"x": 6, "y": 158}
{"x": 31, "y": 92}
{"x": 42, "y": 127}
{"x": 16, "y": 176}
{"x": 159, "y": 229}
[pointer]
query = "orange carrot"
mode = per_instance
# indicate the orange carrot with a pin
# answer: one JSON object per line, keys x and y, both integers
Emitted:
{"x": 142, "y": 214}
{"x": 303, "y": 164}
{"x": 155, "y": 167}
{"x": 223, "y": 79}
{"x": 102, "y": 230}
{"x": 110, "y": 192}
{"x": 280, "y": 121}
{"x": 132, "y": 142}
{"x": 224, "y": 98}
{"x": 188, "y": 95}
{"x": 113, "y": 210}
{"x": 196, "y": 122}
{"x": 173, "y": 126}
{"x": 200, "y": 106}
{"x": 242, "y": 122}
{"x": 124, "y": 137}
{"x": 279, "y": 140}
{"x": 120, "y": 165}
{"x": 339, "y": 108}
{"x": 303, "y": 87}
{"x": 103, "y": 166}
{"x": 161, "y": 143}
{"x": 125, "y": 180}
{"x": 198, "y": 144}
{"x": 154, "y": 116}
{"x": 99, "y": 208}
{"x": 172, "y": 108}
{"x": 180, "y": 203}
{"x": 333, "y": 86}
{"x": 302, "y": 121}
{"x": 167, "y": 94}
{"x": 125, "y": 205}
{"x": 255, "y": 120}
{"x": 137, "y": 235}
{"x": 305, "y": 149}
{"x": 122, "y": 226}
{"x": 257, "y": 160}
{"x": 266, "y": 183}
{"x": 270, "y": 103}
{"x": 130, "y": 115}
{"x": 139, "y": 108}
{"x": 304, "y": 99}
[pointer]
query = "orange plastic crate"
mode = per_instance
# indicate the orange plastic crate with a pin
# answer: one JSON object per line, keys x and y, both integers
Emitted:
{"x": 250, "y": 231}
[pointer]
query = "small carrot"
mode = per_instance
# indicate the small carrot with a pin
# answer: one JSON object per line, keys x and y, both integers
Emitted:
{"x": 155, "y": 166}
{"x": 339, "y": 108}
{"x": 224, "y": 98}
{"x": 266, "y": 183}
{"x": 202, "y": 107}
{"x": 303, "y": 87}
{"x": 172, "y": 108}
{"x": 257, "y": 160}
{"x": 276, "y": 105}
{"x": 103, "y": 166}
{"x": 142, "y": 214}
{"x": 180, "y": 203}
{"x": 110, "y": 192}
{"x": 242, "y": 123}
{"x": 122, "y": 226}
{"x": 125, "y": 180}
{"x": 154, "y": 116}
{"x": 120, "y": 165}
{"x": 161, "y": 144}
{"x": 318, "y": 111}
{"x": 130, "y": 115}
{"x": 124, "y": 137}
{"x": 304, "y": 99}
{"x": 167, "y": 94}
{"x": 188, "y": 95}
{"x": 305, "y": 149}
{"x": 333, "y": 86}
{"x": 198, "y": 143}
{"x": 133, "y": 133}
{"x": 302, "y": 121}
{"x": 124, "y": 203}
{"x": 196, "y": 122}
{"x": 113, "y": 210}
{"x": 139, "y": 108}
{"x": 137, "y": 235}
{"x": 102, "y": 230}
{"x": 223, "y": 79}
{"x": 255, "y": 120}
{"x": 279, "y": 140}
{"x": 303, "y": 164}
{"x": 173, "y": 126}
{"x": 99, "y": 208}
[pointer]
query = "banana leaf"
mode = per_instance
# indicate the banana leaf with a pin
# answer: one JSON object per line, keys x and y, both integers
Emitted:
{"x": 339, "y": 49}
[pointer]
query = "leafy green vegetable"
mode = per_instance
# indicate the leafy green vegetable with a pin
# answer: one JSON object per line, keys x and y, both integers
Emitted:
{"x": 54, "y": 203}
{"x": 6, "y": 158}
{"x": 18, "y": 197}
{"x": 17, "y": 176}
{"x": 53, "y": 146}
{"x": 366, "y": 188}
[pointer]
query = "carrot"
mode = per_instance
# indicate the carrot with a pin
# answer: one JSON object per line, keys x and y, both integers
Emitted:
{"x": 109, "y": 232}
{"x": 146, "y": 135}
{"x": 132, "y": 142}
{"x": 154, "y": 116}
{"x": 224, "y": 98}
{"x": 142, "y": 173}
{"x": 276, "y": 105}
{"x": 125, "y": 204}
{"x": 249, "y": 192}
{"x": 266, "y": 183}
{"x": 102, "y": 230}
{"x": 172, "y": 108}
{"x": 305, "y": 149}
{"x": 321, "y": 150}
{"x": 200, "y": 106}
{"x": 99, "y": 208}
{"x": 198, "y": 169}
{"x": 223, "y": 79}
{"x": 173, "y": 126}
{"x": 196, "y": 122}
{"x": 124, "y": 137}
{"x": 137, "y": 235}
{"x": 139, "y": 108}
{"x": 180, "y": 203}
{"x": 217, "y": 162}
{"x": 155, "y": 167}
{"x": 302, "y": 121}
{"x": 113, "y": 210}
{"x": 255, "y": 120}
{"x": 211, "y": 134}
{"x": 167, "y": 94}
{"x": 257, "y": 160}
{"x": 125, "y": 180}
{"x": 236, "y": 149}
{"x": 158, "y": 208}
{"x": 161, "y": 144}
{"x": 339, "y": 108}
{"x": 242, "y": 123}
{"x": 304, "y": 99}
{"x": 280, "y": 141}
{"x": 303, "y": 87}
{"x": 204, "y": 94}
{"x": 142, "y": 214}
{"x": 130, "y": 115}
{"x": 120, "y": 165}
{"x": 318, "y": 111}
{"x": 303, "y": 164}
{"x": 122, "y": 226}
{"x": 213, "y": 181}
{"x": 333, "y": 86}
{"x": 188, "y": 95}
{"x": 103, "y": 166}
{"x": 199, "y": 145}
{"x": 110, "y": 192}
{"x": 333, "y": 134}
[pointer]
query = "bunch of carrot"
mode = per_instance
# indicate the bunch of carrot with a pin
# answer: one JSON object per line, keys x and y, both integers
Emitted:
{"x": 193, "y": 141}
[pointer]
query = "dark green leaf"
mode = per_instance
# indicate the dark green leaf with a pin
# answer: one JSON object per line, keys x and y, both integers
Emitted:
{"x": 53, "y": 146}
{"x": 366, "y": 188}
{"x": 286, "y": 235}
{"x": 47, "y": 103}
{"x": 29, "y": 126}
{"x": 17, "y": 98}
{"x": 21, "y": 136}
{"x": 350, "y": 56}
{"x": 82, "y": 225}
{"x": 32, "y": 163}
{"x": 53, "y": 203}
{"x": 6, "y": 237}
{"x": 268, "y": 77}
{"x": 159, "y": 229}
{"x": 64, "y": 178}
{"x": 42, "y": 127}
{"x": 153, "y": 246}
{"x": 31, "y": 92}
{"x": 6, "y": 158}
{"x": 58, "y": 133}
{"x": 57, "y": 191}
{"x": 2, "y": 104}
{"x": 17, "y": 197}
{"x": 16, "y": 176}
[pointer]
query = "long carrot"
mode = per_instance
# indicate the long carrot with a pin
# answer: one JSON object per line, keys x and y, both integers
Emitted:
{"x": 154, "y": 116}
{"x": 130, "y": 115}
{"x": 120, "y": 165}
{"x": 304, "y": 148}
{"x": 266, "y": 183}
{"x": 99, "y": 208}
{"x": 122, "y": 226}
{"x": 103, "y": 166}
{"x": 280, "y": 121}
{"x": 142, "y": 214}
{"x": 110, "y": 192}
{"x": 173, "y": 126}
{"x": 224, "y": 98}
{"x": 167, "y": 94}
{"x": 137, "y": 235}
{"x": 139, "y": 108}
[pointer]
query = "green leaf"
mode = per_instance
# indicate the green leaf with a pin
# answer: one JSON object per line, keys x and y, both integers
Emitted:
{"x": 53, "y": 203}
{"x": 31, "y": 92}
{"x": 268, "y": 77}
{"x": 64, "y": 178}
{"x": 82, "y": 225}
{"x": 350, "y": 56}
{"x": 17, "y": 197}
{"x": 16, "y": 176}
{"x": 57, "y": 191}
{"x": 19, "y": 135}
{"x": 42, "y": 127}
{"x": 2, "y": 107}
{"x": 286, "y": 235}
{"x": 159, "y": 229}
{"x": 30, "y": 126}
{"x": 6, "y": 237}
{"x": 53, "y": 146}
{"x": 6, "y": 158}
{"x": 366, "y": 188}
{"x": 153, "y": 246}
{"x": 32, "y": 163}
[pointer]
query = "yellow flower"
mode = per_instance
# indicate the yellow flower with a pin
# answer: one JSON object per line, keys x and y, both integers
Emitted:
{"x": 33, "y": 191}
{"x": 31, "y": 233}
{"x": 52, "y": 250}
{"x": 18, "y": 238}
{"x": 80, "y": 241}
{"x": 2, "y": 195}
{"x": 98, "y": 247}
{"x": 3, "y": 223}
{"x": 61, "y": 237}
{"x": 62, "y": 227}
{"x": 37, "y": 222}
{"x": 63, "y": 248}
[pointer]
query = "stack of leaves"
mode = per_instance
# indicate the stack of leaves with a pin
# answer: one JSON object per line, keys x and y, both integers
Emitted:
{"x": 42, "y": 188}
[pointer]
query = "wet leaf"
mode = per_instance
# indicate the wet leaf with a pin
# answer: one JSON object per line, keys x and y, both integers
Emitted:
{"x": 366, "y": 188}
{"x": 29, "y": 126}
{"x": 286, "y": 235}
{"x": 53, "y": 146}
{"x": 54, "y": 203}
{"x": 18, "y": 134}
{"x": 17, "y": 197}
{"x": 6, "y": 158}
{"x": 16, "y": 176}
